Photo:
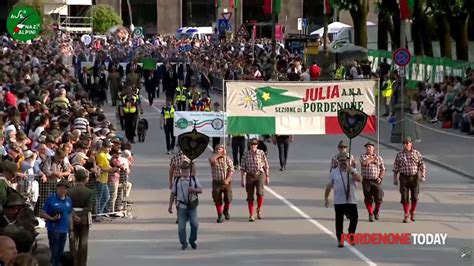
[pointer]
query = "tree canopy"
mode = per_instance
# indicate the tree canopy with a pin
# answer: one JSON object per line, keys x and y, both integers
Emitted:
{"x": 104, "y": 17}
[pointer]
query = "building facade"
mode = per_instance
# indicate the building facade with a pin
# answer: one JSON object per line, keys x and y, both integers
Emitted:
{"x": 173, "y": 14}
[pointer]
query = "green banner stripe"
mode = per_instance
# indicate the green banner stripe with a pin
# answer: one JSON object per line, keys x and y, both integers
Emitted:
{"x": 250, "y": 125}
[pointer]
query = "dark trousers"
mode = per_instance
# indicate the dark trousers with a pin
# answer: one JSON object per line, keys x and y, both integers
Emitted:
{"x": 221, "y": 192}
{"x": 283, "y": 146}
{"x": 57, "y": 241}
{"x": 78, "y": 244}
{"x": 372, "y": 191}
{"x": 151, "y": 94}
{"x": 170, "y": 138}
{"x": 238, "y": 148}
{"x": 254, "y": 182}
{"x": 409, "y": 184}
{"x": 350, "y": 211}
{"x": 130, "y": 121}
{"x": 215, "y": 142}
{"x": 181, "y": 105}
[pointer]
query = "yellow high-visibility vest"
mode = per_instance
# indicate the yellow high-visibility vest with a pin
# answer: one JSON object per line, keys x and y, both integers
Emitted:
{"x": 180, "y": 94}
{"x": 340, "y": 72}
{"x": 129, "y": 105}
{"x": 388, "y": 92}
{"x": 168, "y": 113}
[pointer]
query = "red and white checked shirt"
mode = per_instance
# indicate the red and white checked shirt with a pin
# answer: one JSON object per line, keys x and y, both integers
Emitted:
{"x": 253, "y": 162}
{"x": 220, "y": 168}
{"x": 409, "y": 163}
{"x": 176, "y": 162}
{"x": 373, "y": 169}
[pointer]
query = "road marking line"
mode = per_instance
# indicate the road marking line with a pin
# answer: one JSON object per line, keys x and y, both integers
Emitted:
{"x": 318, "y": 225}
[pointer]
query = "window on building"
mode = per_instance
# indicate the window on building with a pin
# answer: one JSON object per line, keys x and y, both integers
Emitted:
{"x": 198, "y": 13}
{"x": 253, "y": 12}
{"x": 143, "y": 14}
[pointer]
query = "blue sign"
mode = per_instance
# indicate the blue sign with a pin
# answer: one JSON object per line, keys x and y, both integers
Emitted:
{"x": 401, "y": 57}
{"x": 223, "y": 24}
{"x": 305, "y": 23}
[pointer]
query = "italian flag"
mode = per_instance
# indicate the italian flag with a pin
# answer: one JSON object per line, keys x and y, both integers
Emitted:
{"x": 270, "y": 110}
{"x": 406, "y": 8}
{"x": 327, "y": 7}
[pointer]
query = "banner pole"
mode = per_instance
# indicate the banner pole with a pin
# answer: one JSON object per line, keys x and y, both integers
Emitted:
{"x": 224, "y": 108}
{"x": 378, "y": 116}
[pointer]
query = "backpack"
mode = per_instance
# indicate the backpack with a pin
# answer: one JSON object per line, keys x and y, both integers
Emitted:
{"x": 191, "y": 204}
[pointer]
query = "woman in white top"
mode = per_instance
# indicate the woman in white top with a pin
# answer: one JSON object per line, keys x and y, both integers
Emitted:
{"x": 415, "y": 110}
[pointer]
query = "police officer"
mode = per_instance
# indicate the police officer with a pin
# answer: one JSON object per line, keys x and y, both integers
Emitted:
{"x": 373, "y": 171}
{"x": 82, "y": 200}
{"x": 130, "y": 105}
{"x": 181, "y": 96}
{"x": 167, "y": 123}
{"x": 410, "y": 169}
{"x": 387, "y": 93}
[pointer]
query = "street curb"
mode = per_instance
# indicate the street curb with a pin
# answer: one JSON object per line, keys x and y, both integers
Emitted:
{"x": 435, "y": 162}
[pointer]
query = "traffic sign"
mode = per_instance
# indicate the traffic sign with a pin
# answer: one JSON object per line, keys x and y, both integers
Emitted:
{"x": 222, "y": 24}
{"x": 226, "y": 15}
{"x": 86, "y": 39}
{"x": 300, "y": 24}
{"x": 138, "y": 32}
{"x": 305, "y": 23}
{"x": 243, "y": 32}
{"x": 401, "y": 57}
{"x": 401, "y": 71}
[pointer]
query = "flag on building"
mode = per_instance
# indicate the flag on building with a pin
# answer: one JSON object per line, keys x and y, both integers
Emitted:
{"x": 296, "y": 108}
{"x": 327, "y": 7}
{"x": 231, "y": 3}
{"x": 406, "y": 8}
{"x": 267, "y": 7}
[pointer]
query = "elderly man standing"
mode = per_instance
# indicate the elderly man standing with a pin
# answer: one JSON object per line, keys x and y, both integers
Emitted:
{"x": 343, "y": 181}
{"x": 255, "y": 172}
{"x": 410, "y": 169}
{"x": 222, "y": 170}
{"x": 373, "y": 171}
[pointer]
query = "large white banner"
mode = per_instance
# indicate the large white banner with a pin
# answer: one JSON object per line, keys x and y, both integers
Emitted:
{"x": 207, "y": 123}
{"x": 289, "y": 108}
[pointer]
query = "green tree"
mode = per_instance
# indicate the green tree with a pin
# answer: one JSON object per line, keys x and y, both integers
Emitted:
{"x": 358, "y": 10}
{"x": 453, "y": 20}
{"x": 104, "y": 17}
{"x": 422, "y": 29}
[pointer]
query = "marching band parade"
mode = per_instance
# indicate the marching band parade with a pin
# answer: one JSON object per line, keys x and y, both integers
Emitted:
{"x": 79, "y": 129}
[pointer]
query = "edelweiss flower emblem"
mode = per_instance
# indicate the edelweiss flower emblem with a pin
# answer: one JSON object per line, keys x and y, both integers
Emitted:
{"x": 248, "y": 99}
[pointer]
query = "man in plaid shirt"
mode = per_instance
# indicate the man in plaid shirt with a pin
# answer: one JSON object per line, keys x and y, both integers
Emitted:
{"x": 222, "y": 169}
{"x": 373, "y": 171}
{"x": 342, "y": 147}
{"x": 254, "y": 168}
{"x": 410, "y": 169}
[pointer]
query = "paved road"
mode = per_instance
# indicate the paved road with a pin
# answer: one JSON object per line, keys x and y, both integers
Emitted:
{"x": 296, "y": 230}
{"x": 447, "y": 146}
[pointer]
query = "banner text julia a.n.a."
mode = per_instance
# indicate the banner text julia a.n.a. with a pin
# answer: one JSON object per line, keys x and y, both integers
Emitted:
{"x": 299, "y": 99}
